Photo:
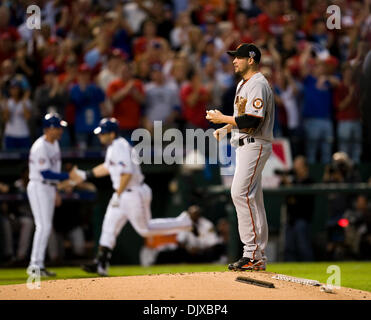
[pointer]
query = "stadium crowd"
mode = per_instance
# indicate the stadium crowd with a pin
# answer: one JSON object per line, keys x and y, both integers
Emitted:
{"x": 142, "y": 61}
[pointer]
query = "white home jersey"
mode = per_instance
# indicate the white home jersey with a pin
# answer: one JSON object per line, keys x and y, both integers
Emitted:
{"x": 255, "y": 98}
{"x": 44, "y": 156}
{"x": 119, "y": 160}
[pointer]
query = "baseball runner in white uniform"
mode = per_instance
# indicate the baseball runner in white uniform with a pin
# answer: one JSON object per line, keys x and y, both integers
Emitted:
{"x": 44, "y": 174}
{"x": 252, "y": 135}
{"x": 131, "y": 200}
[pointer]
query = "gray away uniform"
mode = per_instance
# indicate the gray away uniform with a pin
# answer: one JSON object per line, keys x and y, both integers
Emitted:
{"x": 255, "y": 98}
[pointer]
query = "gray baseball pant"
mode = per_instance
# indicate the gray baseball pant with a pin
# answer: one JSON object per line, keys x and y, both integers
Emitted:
{"x": 247, "y": 196}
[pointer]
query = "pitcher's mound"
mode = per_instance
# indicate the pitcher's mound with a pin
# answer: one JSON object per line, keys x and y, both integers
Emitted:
{"x": 181, "y": 286}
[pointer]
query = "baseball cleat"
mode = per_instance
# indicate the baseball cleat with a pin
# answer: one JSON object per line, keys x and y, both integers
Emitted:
{"x": 40, "y": 272}
{"x": 246, "y": 264}
{"x": 102, "y": 271}
{"x": 96, "y": 268}
{"x": 90, "y": 268}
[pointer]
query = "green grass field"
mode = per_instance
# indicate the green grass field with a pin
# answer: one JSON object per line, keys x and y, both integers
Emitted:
{"x": 354, "y": 274}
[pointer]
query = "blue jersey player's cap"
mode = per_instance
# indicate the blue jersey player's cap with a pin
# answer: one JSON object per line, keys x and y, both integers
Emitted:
{"x": 53, "y": 120}
{"x": 107, "y": 125}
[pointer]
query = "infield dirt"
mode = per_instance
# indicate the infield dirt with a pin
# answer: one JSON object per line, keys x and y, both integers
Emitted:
{"x": 180, "y": 286}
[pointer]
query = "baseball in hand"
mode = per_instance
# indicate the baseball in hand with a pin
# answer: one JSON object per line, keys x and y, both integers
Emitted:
{"x": 208, "y": 112}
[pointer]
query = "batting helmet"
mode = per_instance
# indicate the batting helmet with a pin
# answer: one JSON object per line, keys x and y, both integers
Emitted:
{"x": 107, "y": 125}
{"x": 53, "y": 120}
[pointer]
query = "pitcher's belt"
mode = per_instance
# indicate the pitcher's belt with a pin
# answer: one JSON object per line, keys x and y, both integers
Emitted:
{"x": 246, "y": 140}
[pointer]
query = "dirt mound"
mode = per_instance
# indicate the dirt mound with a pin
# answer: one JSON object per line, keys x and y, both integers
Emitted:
{"x": 180, "y": 286}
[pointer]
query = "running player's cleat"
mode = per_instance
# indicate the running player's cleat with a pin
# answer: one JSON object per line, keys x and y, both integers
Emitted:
{"x": 90, "y": 268}
{"x": 102, "y": 269}
{"x": 98, "y": 268}
{"x": 245, "y": 264}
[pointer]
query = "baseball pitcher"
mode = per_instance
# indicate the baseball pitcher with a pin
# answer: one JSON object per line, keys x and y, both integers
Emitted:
{"x": 252, "y": 134}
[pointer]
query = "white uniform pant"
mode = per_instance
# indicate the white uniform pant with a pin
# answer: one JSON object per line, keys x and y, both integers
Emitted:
{"x": 135, "y": 207}
{"x": 247, "y": 196}
{"x": 42, "y": 200}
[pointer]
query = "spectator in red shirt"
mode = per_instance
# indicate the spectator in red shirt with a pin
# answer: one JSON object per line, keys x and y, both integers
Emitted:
{"x": 194, "y": 98}
{"x": 126, "y": 95}
{"x": 52, "y": 52}
{"x": 68, "y": 79}
{"x": 349, "y": 130}
{"x": 148, "y": 37}
{"x": 272, "y": 21}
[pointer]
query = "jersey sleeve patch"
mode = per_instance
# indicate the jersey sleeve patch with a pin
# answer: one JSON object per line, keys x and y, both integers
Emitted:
{"x": 258, "y": 103}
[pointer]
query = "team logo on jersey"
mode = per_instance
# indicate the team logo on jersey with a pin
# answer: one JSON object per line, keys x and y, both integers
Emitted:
{"x": 258, "y": 103}
{"x": 123, "y": 164}
{"x": 42, "y": 161}
{"x": 55, "y": 159}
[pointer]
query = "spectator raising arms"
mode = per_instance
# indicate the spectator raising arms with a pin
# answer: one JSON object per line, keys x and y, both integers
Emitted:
{"x": 8, "y": 74}
{"x": 317, "y": 109}
{"x": 162, "y": 100}
{"x": 286, "y": 94}
{"x": 194, "y": 97}
{"x": 50, "y": 94}
{"x": 126, "y": 95}
{"x": 88, "y": 100}
{"x": 16, "y": 113}
{"x": 110, "y": 71}
{"x": 349, "y": 130}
